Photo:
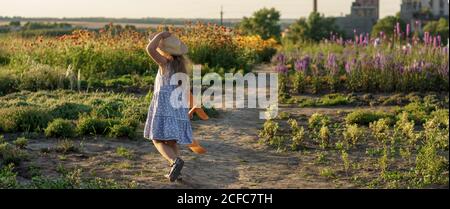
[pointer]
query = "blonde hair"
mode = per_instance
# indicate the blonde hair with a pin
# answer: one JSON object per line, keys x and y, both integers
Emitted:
{"x": 179, "y": 63}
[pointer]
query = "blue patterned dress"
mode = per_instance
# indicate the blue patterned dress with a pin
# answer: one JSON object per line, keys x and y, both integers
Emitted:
{"x": 164, "y": 121}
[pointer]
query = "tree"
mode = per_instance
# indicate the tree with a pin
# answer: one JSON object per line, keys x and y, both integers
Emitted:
{"x": 438, "y": 28}
{"x": 130, "y": 28}
{"x": 387, "y": 26}
{"x": 14, "y": 23}
{"x": 264, "y": 22}
{"x": 315, "y": 28}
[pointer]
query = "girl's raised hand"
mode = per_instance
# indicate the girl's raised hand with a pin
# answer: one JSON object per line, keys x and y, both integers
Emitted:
{"x": 165, "y": 34}
{"x": 162, "y": 35}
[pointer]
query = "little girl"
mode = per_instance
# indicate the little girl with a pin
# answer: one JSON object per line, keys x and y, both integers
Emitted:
{"x": 167, "y": 126}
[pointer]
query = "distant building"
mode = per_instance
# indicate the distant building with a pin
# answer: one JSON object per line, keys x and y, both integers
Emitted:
{"x": 364, "y": 14}
{"x": 424, "y": 9}
{"x": 366, "y": 8}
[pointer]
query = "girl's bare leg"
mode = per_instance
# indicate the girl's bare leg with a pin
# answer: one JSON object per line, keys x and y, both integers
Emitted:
{"x": 166, "y": 150}
{"x": 174, "y": 147}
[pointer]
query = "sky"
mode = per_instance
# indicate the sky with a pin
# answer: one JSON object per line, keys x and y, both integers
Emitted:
{"x": 177, "y": 8}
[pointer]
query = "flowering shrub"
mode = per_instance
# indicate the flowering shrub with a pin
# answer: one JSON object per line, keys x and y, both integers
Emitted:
{"x": 109, "y": 54}
{"x": 366, "y": 64}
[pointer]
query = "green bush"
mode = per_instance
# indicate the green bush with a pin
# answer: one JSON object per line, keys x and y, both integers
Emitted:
{"x": 121, "y": 130}
{"x": 352, "y": 134}
{"x": 136, "y": 112}
{"x": 8, "y": 83}
{"x": 42, "y": 77}
{"x": 325, "y": 101}
{"x": 23, "y": 119}
{"x": 417, "y": 111}
{"x": 441, "y": 116}
{"x": 8, "y": 178}
{"x": 95, "y": 83}
{"x": 61, "y": 128}
{"x": 363, "y": 117}
{"x": 66, "y": 146}
{"x": 11, "y": 154}
{"x": 21, "y": 142}
{"x": 130, "y": 122}
{"x": 317, "y": 121}
{"x": 70, "y": 111}
{"x": 270, "y": 129}
{"x": 334, "y": 99}
{"x": 109, "y": 109}
{"x": 307, "y": 102}
{"x": 149, "y": 97}
{"x": 95, "y": 126}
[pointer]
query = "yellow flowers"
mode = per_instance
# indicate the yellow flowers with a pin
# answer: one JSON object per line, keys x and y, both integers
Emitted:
{"x": 254, "y": 42}
{"x": 210, "y": 35}
{"x": 123, "y": 50}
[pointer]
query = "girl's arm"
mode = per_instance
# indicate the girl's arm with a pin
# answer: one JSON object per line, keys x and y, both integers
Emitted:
{"x": 153, "y": 45}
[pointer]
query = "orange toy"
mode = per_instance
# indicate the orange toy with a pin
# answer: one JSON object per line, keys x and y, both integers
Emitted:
{"x": 196, "y": 148}
{"x": 194, "y": 109}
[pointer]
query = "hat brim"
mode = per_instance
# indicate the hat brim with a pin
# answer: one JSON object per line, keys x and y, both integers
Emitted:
{"x": 179, "y": 51}
{"x": 173, "y": 49}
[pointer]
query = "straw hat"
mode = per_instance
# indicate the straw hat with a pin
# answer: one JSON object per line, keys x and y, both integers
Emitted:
{"x": 173, "y": 46}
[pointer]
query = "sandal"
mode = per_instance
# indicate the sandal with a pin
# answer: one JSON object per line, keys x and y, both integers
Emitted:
{"x": 175, "y": 172}
{"x": 180, "y": 178}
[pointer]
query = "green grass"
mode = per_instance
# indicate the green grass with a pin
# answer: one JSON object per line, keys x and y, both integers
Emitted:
{"x": 57, "y": 113}
{"x": 67, "y": 180}
{"x": 124, "y": 152}
{"x": 365, "y": 117}
{"x": 328, "y": 100}
{"x": 66, "y": 146}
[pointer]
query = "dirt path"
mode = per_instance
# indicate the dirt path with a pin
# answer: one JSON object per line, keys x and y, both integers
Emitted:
{"x": 235, "y": 159}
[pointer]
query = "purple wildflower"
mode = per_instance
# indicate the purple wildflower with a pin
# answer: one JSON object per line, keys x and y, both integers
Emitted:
{"x": 349, "y": 66}
{"x": 408, "y": 30}
{"x": 281, "y": 68}
{"x": 419, "y": 66}
{"x": 281, "y": 58}
{"x": 299, "y": 65}
{"x": 302, "y": 65}
{"x": 382, "y": 35}
{"x": 379, "y": 61}
{"x": 332, "y": 64}
{"x": 399, "y": 67}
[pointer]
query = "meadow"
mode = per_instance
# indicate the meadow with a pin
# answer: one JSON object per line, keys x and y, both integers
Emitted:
{"x": 91, "y": 84}
{"x": 373, "y": 110}
{"x": 369, "y": 112}
{"x": 114, "y": 57}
